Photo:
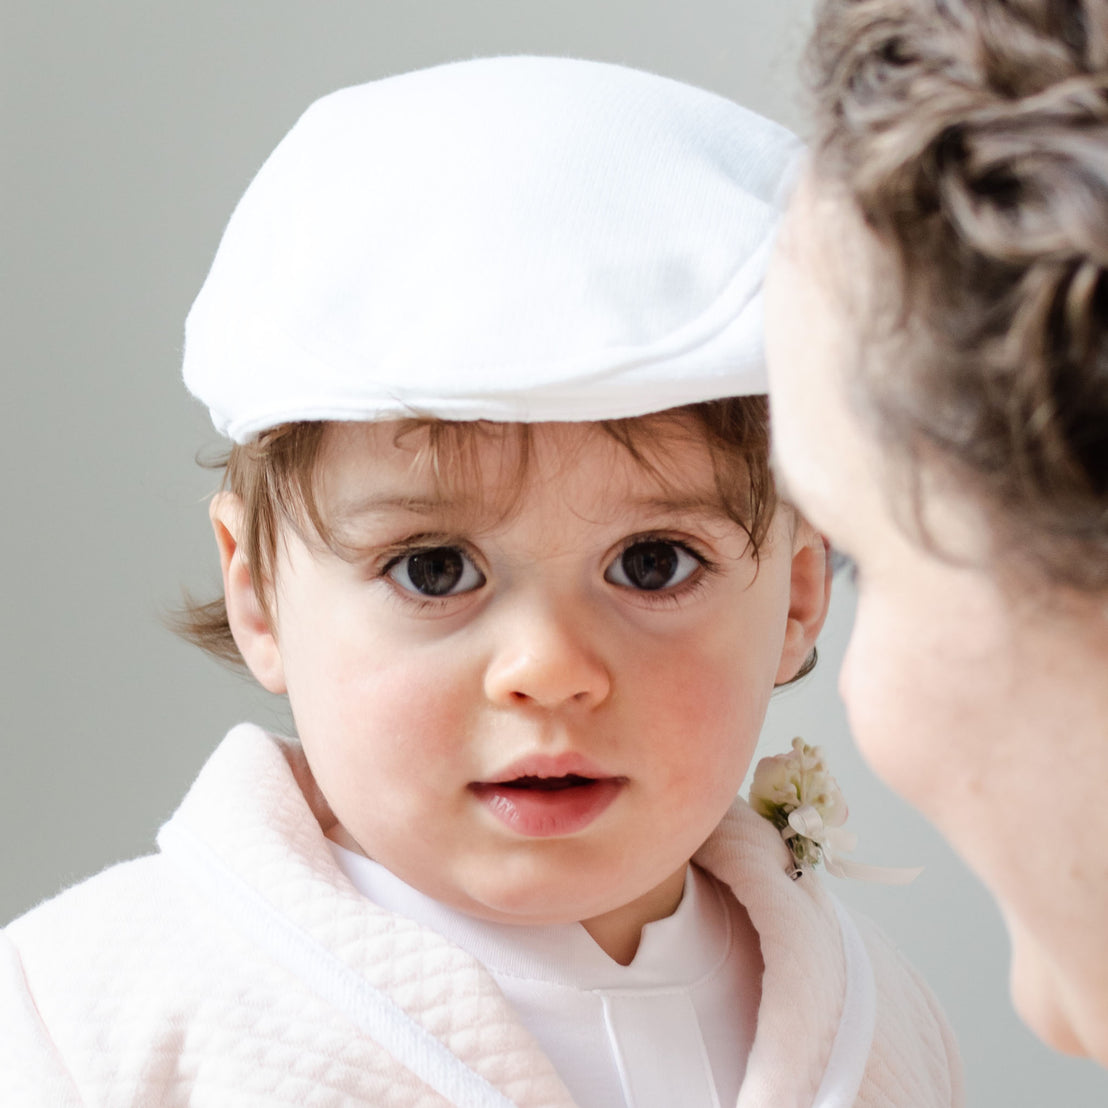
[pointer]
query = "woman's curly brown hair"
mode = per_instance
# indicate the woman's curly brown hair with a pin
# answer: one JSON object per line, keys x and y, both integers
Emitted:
{"x": 971, "y": 136}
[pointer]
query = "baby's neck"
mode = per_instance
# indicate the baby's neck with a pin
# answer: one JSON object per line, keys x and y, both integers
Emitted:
{"x": 618, "y": 932}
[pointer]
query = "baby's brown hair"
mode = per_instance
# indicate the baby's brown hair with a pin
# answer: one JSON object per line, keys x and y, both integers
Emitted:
{"x": 971, "y": 138}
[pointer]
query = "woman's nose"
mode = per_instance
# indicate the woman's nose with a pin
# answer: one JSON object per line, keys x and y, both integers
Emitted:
{"x": 546, "y": 658}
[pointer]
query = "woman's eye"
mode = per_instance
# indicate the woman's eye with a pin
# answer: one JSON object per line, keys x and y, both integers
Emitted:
{"x": 439, "y": 571}
{"x": 652, "y": 564}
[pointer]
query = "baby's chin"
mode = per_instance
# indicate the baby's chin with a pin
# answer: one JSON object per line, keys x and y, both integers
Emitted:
{"x": 498, "y": 898}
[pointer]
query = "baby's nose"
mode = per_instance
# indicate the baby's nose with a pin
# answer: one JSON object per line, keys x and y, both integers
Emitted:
{"x": 546, "y": 658}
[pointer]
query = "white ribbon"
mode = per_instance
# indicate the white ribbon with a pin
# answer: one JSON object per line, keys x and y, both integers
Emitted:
{"x": 807, "y": 822}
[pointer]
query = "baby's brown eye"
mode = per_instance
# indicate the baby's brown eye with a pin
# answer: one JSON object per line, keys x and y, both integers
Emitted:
{"x": 439, "y": 571}
{"x": 652, "y": 564}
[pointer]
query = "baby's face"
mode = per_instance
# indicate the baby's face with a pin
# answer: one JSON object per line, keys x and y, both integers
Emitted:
{"x": 534, "y": 716}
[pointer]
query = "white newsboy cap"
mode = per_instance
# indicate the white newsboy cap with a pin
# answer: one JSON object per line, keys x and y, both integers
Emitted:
{"x": 514, "y": 239}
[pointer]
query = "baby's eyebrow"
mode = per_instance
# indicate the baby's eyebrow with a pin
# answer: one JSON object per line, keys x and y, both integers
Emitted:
{"x": 700, "y": 503}
{"x": 360, "y": 511}
{"x": 347, "y": 519}
{"x": 384, "y": 504}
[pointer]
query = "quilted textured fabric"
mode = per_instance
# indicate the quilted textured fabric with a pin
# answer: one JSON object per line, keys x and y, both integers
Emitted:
{"x": 239, "y": 967}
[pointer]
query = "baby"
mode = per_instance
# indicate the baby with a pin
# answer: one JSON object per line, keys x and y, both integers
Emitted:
{"x": 499, "y": 521}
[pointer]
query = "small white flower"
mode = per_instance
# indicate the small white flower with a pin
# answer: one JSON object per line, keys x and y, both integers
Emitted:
{"x": 785, "y": 782}
{"x": 798, "y": 795}
{"x": 799, "y": 782}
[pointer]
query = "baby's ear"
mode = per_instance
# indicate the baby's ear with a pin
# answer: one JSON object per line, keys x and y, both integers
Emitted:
{"x": 809, "y": 597}
{"x": 251, "y": 625}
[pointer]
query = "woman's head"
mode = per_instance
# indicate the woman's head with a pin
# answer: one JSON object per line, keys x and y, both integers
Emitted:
{"x": 970, "y": 141}
{"x": 938, "y": 352}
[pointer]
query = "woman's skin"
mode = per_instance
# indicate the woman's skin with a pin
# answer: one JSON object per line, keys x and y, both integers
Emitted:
{"x": 978, "y": 693}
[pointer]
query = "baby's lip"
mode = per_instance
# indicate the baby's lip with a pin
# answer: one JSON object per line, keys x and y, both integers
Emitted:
{"x": 544, "y": 770}
{"x": 544, "y": 796}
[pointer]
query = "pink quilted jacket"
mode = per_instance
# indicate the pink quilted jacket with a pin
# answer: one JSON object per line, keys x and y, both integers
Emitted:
{"x": 238, "y": 967}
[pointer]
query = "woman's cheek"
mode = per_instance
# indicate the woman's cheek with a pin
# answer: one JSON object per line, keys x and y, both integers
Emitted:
{"x": 883, "y": 719}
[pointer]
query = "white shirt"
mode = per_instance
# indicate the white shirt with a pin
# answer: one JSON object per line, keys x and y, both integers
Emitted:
{"x": 670, "y": 1028}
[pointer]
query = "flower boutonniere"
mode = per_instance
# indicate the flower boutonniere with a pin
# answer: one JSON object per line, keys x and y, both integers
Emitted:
{"x": 798, "y": 795}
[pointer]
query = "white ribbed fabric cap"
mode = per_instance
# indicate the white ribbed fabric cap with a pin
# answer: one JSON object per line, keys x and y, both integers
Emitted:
{"x": 515, "y": 239}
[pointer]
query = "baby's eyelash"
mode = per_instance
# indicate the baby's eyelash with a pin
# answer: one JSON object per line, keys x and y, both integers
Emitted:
{"x": 447, "y": 562}
{"x": 386, "y": 557}
{"x": 672, "y": 595}
{"x": 675, "y": 597}
{"x": 686, "y": 544}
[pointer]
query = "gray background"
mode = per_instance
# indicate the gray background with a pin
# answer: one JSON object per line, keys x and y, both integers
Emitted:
{"x": 128, "y": 131}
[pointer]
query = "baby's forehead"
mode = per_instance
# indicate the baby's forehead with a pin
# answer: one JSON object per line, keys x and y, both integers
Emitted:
{"x": 482, "y": 473}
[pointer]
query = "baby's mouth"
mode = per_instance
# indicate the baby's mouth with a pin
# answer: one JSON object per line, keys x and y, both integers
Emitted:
{"x": 538, "y": 806}
{"x": 547, "y": 784}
